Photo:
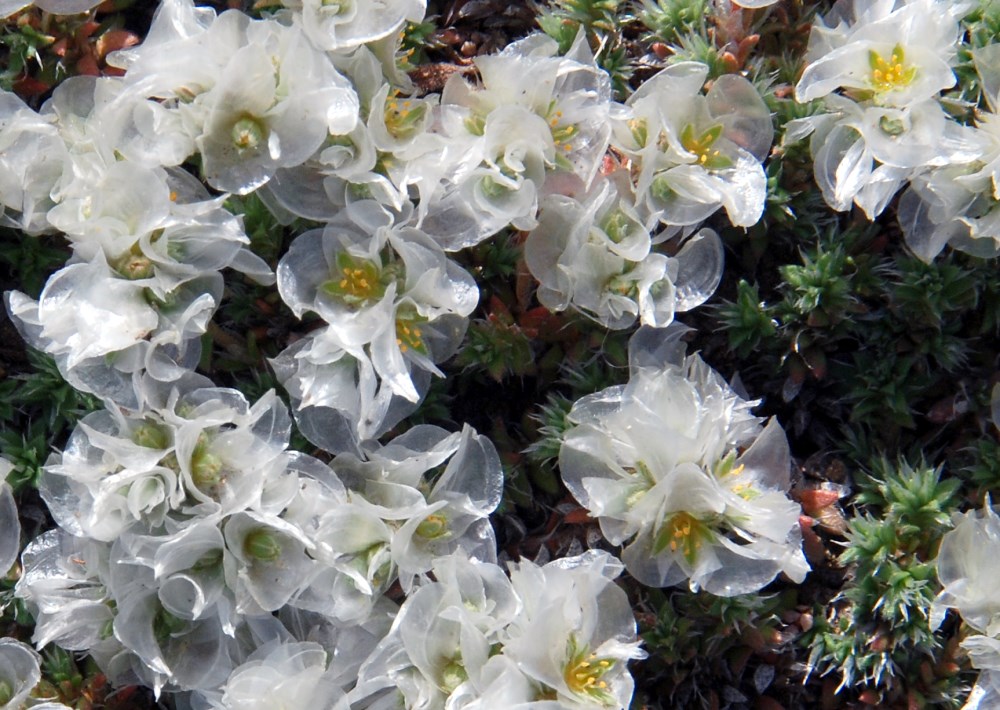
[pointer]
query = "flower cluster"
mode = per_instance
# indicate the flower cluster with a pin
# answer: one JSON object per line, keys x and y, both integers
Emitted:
{"x": 184, "y": 520}
{"x": 674, "y": 465}
{"x": 887, "y": 127}
{"x": 195, "y": 552}
{"x": 474, "y": 639}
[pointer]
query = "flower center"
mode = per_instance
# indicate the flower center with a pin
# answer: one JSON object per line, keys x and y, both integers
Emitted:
{"x": 206, "y": 467}
{"x": 402, "y": 119}
{"x": 360, "y": 281}
{"x": 261, "y": 545}
{"x": 562, "y": 134}
{"x": 892, "y": 73}
{"x": 151, "y": 436}
{"x": 623, "y": 285}
{"x": 433, "y": 526}
{"x": 335, "y": 7}
{"x": 247, "y": 133}
{"x": 618, "y": 225}
{"x": 409, "y": 335}
{"x": 682, "y": 533}
{"x": 584, "y": 674}
{"x": 701, "y": 146}
{"x": 453, "y": 675}
{"x": 639, "y": 128}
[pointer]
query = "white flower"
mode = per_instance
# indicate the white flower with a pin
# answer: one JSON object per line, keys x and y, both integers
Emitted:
{"x": 594, "y": 254}
{"x": 383, "y": 287}
{"x": 575, "y": 632}
{"x": 441, "y": 639}
{"x": 865, "y": 153}
{"x": 986, "y": 693}
{"x": 10, "y": 525}
{"x": 105, "y": 330}
{"x": 339, "y": 25}
{"x": 697, "y": 153}
{"x": 536, "y": 116}
{"x": 63, "y": 583}
{"x": 282, "y": 675}
{"x": 897, "y": 53}
{"x": 32, "y": 159}
{"x": 267, "y": 561}
{"x": 420, "y": 520}
{"x": 955, "y": 204}
{"x": 258, "y": 119}
{"x": 968, "y": 567}
{"x": 84, "y": 312}
{"x": 674, "y": 464}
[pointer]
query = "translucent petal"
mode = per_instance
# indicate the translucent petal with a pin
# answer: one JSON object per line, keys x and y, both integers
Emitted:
{"x": 700, "y": 263}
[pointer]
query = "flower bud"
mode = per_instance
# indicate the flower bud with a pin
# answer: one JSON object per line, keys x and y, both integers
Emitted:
{"x": 151, "y": 436}
{"x": 261, "y": 545}
{"x": 247, "y": 133}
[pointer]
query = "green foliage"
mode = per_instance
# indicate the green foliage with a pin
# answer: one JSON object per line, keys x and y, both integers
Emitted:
{"x": 884, "y": 389}
{"x": 24, "y": 47}
{"x": 982, "y": 29}
{"x": 37, "y": 410}
{"x": 669, "y": 20}
{"x": 696, "y": 639}
{"x": 928, "y": 293}
{"x": 696, "y": 47}
{"x": 497, "y": 345}
{"x": 878, "y": 633}
{"x": 818, "y": 290}
{"x": 552, "y": 419}
{"x": 565, "y": 18}
{"x": 983, "y": 469}
{"x": 29, "y": 261}
{"x": 747, "y": 320}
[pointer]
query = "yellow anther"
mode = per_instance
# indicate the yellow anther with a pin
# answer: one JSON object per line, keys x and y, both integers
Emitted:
{"x": 362, "y": 281}
{"x": 583, "y": 673}
{"x": 408, "y": 333}
{"x": 891, "y": 74}
{"x": 173, "y": 196}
